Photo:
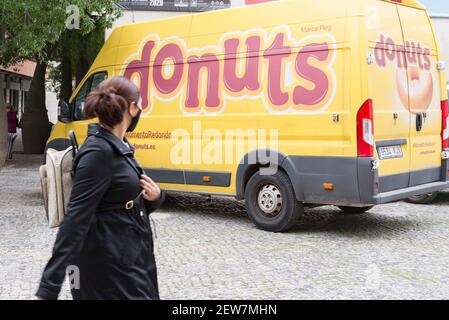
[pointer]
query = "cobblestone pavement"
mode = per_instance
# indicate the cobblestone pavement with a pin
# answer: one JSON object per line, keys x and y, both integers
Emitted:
{"x": 210, "y": 249}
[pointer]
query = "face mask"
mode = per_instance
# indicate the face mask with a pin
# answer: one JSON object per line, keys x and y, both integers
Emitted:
{"x": 134, "y": 122}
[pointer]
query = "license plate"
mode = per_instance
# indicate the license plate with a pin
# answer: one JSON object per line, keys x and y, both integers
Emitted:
{"x": 390, "y": 152}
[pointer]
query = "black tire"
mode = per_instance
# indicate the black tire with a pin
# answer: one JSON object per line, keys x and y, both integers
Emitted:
{"x": 426, "y": 198}
{"x": 354, "y": 210}
{"x": 278, "y": 187}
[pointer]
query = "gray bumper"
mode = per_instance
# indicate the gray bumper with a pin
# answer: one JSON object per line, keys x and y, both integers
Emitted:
{"x": 355, "y": 182}
{"x": 396, "y": 195}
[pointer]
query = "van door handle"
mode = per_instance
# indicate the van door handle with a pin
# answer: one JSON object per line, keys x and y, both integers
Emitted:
{"x": 419, "y": 121}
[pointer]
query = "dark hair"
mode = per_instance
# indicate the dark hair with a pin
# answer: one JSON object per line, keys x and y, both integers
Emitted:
{"x": 111, "y": 100}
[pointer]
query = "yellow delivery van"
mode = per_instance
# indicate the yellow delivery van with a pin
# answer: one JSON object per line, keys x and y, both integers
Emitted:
{"x": 284, "y": 104}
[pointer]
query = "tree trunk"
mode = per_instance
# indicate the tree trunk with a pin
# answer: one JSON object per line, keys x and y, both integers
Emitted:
{"x": 81, "y": 68}
{"x": 66, "y": 78}
{"x": 3, "y": 129}
{"x": 35, "y": 125}
{"x": 66, "y": 68}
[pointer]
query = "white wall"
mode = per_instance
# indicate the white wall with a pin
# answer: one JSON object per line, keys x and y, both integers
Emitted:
{"x": 52, "y": 106}
{"x": 441, "y": 26}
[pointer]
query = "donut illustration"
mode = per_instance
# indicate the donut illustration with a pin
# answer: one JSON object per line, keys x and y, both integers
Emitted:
{"x": 421, "y": 88}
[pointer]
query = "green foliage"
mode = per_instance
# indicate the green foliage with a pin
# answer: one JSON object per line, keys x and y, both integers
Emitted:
{"x": 75, "y": 46}
{"x": 40, "y": 30}
{"x": 32, "y": 29}
{"x": 88, "y": 45}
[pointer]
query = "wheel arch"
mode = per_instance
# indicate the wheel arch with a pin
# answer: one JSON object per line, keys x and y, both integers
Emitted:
{"x": 256, "y": 159}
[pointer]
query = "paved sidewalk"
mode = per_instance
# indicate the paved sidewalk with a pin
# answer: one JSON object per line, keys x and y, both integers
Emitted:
{"x": 210, "y": 249}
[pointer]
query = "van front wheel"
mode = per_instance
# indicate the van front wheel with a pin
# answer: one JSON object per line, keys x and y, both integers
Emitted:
{"x": 271, "y": 203}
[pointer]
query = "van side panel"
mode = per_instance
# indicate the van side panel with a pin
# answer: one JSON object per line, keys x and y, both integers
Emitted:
{"x": 274, "y": 71}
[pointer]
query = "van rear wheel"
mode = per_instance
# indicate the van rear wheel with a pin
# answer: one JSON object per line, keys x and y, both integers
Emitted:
{"x": 355, "y": 210}
{"x": 423, "y": 198}
{"x": 271, "y": 202}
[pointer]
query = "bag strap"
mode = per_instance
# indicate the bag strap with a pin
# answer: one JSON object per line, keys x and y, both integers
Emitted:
{"x": 130, "y": 204}
{"x": 74, "y": 143}
{"x": 139, "y": 172}
{"x": 75, "y": 148}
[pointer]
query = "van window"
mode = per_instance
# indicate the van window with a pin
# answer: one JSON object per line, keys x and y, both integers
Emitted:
{"x": 90, "y": 85}
{"x": 97, "y": 79}
{"x": 79, "y": 101}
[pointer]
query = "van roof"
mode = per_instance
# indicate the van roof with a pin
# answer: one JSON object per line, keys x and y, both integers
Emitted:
{"x": 410, "y": 3}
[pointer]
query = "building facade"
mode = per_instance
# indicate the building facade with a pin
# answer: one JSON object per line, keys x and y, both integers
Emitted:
{"x": 15, "y": 82}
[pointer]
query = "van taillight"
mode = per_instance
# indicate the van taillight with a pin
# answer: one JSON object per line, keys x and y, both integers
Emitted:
{"x": 365, "y": 130}
{"x": 445, "y": 124}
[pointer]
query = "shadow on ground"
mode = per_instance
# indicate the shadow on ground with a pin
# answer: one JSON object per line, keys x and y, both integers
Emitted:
{"x": 326, "y": 219}
{"x": 442, "y": 199}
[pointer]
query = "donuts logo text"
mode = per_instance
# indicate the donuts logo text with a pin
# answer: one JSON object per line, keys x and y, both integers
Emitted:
{"x": 286, "y": 74}
{"x": 412, "y": 65}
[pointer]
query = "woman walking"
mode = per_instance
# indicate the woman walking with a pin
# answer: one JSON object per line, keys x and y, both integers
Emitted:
{"x": 106, "y": 235}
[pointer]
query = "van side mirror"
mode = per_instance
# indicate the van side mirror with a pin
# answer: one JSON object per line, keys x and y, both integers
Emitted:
{"x": 64, "y": 114}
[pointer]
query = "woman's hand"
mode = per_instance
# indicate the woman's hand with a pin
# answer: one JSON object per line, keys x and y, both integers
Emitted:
{"x": 152, "y": 192}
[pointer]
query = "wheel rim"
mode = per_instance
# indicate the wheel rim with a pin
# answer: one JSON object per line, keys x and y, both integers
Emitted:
{"x": 269, "y": 200}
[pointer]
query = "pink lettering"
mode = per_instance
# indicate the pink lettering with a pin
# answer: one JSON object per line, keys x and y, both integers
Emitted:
{"x": 379, "y": 52}
{"x": 141, "y": 67}
{"x": 275, "y": 54}
{"x": 427, "y": 62}
{"x": 173, "y": 52}
{"x": 302, "y": 95}
{"x": 250, "y": 79}
{"x": 211, "y": 63}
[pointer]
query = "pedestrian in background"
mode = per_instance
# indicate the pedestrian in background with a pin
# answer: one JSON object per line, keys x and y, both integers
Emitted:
{"x": 106, "y": 236}
{"x": 13, "y": 121}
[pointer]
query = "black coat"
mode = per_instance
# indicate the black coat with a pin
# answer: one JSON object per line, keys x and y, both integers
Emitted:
{"x": 113, "y": 249}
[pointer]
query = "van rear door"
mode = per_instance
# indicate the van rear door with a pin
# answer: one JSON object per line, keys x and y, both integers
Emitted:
{"x": 424, "y": 95}
{"x": 391, "y": 117}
